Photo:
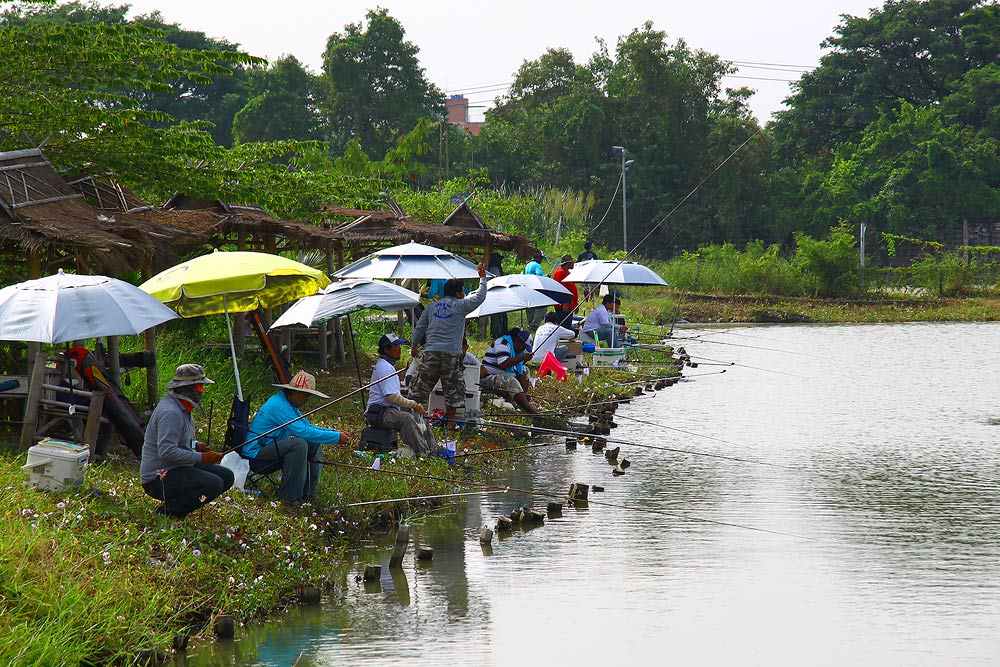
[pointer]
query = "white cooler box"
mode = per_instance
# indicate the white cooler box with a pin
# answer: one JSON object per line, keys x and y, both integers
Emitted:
{"x": 54, "y": 464}
{"x": 436, "y": 400}
{"x": 609, "y": 356}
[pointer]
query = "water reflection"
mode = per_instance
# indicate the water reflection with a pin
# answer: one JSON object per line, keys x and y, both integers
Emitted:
{"x": 885, "y": 464}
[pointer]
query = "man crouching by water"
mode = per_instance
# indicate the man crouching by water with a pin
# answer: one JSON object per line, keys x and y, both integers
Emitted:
{"x": 176, "y": 468}
{"x": 387, "y": 408}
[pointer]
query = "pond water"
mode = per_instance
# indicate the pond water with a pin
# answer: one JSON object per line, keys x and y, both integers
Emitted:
{"x": 876, "y": 469}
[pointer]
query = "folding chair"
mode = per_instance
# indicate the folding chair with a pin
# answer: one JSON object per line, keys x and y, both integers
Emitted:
{"x": 237, "y": 432}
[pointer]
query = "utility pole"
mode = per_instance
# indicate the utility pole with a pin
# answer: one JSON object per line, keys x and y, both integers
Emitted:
{"x": 619, "y": 151}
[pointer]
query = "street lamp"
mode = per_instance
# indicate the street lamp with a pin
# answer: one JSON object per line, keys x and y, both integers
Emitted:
{"x": 619, "y": 151}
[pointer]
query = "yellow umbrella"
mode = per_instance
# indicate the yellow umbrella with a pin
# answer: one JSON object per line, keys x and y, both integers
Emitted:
{"x": 233, "y": 282}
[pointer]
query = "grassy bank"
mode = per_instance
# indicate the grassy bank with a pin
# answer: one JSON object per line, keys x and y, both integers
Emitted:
{"x": 93, "y": 576}
{"x": 661, "y": 307}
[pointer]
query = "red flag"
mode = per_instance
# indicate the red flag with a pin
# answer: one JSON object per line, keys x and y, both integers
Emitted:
{"x": 550, "y": 363}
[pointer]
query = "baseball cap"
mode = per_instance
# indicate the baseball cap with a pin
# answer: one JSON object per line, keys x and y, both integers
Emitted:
{"x": 389, "y": 339}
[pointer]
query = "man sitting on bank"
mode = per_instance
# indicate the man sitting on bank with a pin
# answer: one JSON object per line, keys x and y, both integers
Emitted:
{"x": 387, "y": 408}
{"x": 600, "y": 326}
{"x": 175, "y": 467}
{"x": 503, "y": 370}
{"x": 291, "y": 438}
{"x": 547, "y": 338}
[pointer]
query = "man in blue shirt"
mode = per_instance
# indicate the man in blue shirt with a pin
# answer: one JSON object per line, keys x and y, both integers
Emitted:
{"x": 297, "y": 443}
{"x": 387, "y": 408}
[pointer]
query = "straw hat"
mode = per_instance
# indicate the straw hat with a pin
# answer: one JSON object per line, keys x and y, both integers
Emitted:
{"x": 303, "y": 382}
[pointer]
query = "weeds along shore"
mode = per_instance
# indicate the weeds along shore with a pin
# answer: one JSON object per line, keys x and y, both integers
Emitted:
{"x": 92, "y": 576}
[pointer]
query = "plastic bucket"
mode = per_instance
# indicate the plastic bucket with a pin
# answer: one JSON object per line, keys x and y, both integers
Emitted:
{"x": 589, "y": 348}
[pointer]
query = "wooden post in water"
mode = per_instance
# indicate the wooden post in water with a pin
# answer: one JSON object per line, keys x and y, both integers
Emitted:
{"x": 402, "y": 540}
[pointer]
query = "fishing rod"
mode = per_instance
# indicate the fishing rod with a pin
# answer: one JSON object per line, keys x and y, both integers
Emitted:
{"x": 441, "y": 495}
{"x": 564, "y": 432}
{"x": 754, "y": 347}
{"x": 756, "y": 368}
{"x": 560, "y": 496}
{"x": 316, "y": 409}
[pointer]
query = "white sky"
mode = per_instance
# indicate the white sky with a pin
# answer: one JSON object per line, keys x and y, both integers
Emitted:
{"x": 474, "y": 47}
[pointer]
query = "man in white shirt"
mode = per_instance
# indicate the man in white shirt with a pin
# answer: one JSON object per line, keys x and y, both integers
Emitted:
{"x": 599, "y": 324}
{"x": 387, "y": 408}
{"x": 547, "y": 338}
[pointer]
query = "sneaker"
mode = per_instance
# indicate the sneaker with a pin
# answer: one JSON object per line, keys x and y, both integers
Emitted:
{"x": 405, "y": 452}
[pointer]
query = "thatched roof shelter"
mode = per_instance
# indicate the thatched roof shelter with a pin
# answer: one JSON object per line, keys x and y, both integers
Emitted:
{"x": 253, "y": 228}
{"x": 463, "y": 231}
{"x": 46, "y": 225}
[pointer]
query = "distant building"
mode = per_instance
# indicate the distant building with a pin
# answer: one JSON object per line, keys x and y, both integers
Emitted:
{"x": 458, "y": 114}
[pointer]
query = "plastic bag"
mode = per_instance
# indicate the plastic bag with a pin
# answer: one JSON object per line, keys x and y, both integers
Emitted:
{"x": 240, "y": 467}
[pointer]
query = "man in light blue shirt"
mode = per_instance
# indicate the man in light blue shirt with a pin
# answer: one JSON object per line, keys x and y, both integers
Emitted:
{"x": 291, "y": 438}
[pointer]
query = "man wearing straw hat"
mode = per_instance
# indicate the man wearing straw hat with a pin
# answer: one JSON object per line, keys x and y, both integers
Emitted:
{"x": 291, "y": 438}
{"x": 175, "y": 467}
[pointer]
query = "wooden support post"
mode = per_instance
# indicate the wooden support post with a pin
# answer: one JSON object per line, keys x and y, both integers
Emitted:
{"x": 323, "y": 340}
{"x": 34, "y": 272}
{"x": 113, "y": 362}
{"x": 152, "y": 378}
{"x": 33, "y": 401}
{"x": 93, "y": 426}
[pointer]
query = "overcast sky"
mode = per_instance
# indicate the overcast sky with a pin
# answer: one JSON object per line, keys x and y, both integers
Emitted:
{"x": 474, "y": 47}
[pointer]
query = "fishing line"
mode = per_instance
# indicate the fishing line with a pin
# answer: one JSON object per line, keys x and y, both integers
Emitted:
{"x": 637, "y": 444}
{"x": 560, "y": 496}
{"x": 629, "y": 253}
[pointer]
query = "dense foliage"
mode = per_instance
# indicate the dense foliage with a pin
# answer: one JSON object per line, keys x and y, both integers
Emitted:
{"x": 897, "y": 129}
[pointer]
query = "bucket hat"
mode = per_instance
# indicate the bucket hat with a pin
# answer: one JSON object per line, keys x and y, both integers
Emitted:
{"x": 304, "y": 382}
{"x": 188, "y": 374}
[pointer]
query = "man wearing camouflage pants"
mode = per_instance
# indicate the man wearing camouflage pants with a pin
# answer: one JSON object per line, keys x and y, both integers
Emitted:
{"x": 440, "y": 330}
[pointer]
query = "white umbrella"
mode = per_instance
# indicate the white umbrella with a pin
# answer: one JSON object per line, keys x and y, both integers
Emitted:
{"x": 69, "y": 306}
{"x": 507, "y": 298}
{"x": 547, "y": 286}
{"x": 410, "y": 260}
{"x": 609, "y": 271}
{"x": 345, "y": 297}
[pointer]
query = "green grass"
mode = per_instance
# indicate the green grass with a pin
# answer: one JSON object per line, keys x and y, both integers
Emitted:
{"x": 92, "y": 576}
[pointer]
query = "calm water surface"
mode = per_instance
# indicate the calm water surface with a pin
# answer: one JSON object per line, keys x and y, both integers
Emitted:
{"x": 882, "y": 498}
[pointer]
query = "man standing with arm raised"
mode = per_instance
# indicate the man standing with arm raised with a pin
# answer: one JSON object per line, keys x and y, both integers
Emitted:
{"x": 439, "y": 331}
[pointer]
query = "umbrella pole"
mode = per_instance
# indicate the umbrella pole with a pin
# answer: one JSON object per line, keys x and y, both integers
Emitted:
{"x": 232, "y": 348}
{"x": 357, "y": 364}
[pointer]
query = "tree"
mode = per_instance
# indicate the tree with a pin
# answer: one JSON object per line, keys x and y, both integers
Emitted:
{"x": 283, "y": 105}
{"x": 214, "y": 98}
{"x": 376, "y": 89}
{"x": 913, "y": 51}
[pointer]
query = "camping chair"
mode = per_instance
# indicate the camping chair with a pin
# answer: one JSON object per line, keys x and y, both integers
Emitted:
{"x": 237, "y": 432}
